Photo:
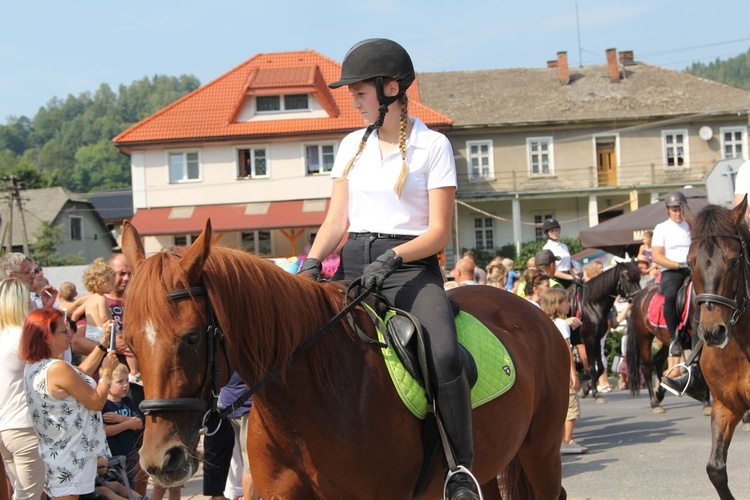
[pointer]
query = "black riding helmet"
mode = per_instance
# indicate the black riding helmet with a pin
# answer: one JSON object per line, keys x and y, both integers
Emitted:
{"x": 675, "y": 199}
{"x": 550, "y": 224}
{"x": 376, "y": 59}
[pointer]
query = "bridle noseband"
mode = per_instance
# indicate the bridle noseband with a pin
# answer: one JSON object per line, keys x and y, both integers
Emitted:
{"x": 740, "y": 302}
{"x": 214, "y": 341}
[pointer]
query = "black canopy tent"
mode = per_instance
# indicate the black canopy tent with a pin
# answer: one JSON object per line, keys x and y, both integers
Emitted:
{"x": 623, "y": 233}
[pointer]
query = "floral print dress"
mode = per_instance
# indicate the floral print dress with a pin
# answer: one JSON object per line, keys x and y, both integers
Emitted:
{"x": 71, "y": 436}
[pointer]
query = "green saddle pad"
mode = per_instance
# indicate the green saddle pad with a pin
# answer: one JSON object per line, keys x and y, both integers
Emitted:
{"x": 496, "y": 373}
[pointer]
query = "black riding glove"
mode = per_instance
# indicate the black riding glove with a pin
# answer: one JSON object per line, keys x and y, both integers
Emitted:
{"x": 376, "y": 272}
{"x": 312, "y": 268}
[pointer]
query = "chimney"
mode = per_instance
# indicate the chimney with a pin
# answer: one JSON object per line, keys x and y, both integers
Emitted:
{"x": 626, "y": 57}
{"x": 552, "y": 64}
{"x": 562, "y": 67}
{"x": 612, "y": 67}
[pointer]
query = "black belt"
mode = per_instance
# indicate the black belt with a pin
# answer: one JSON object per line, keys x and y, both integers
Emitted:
{"x": 381, "y": 236}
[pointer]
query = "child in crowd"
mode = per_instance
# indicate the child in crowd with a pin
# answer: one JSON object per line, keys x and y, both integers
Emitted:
{"x": 556, "y": 305}
{"x": 512, "y": 284}
{"x": 99, "y": 280}
{"x": 123, "y": 423}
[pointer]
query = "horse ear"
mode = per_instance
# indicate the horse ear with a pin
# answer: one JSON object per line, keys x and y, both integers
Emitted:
{"x": 739, "y": 213}
{"x": 132, "y": 246}
{"x": 193, "y": 260}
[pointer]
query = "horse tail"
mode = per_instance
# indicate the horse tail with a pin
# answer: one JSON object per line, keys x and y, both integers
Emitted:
{"x": 513, "y": 481}
{"x": 633, "y": 354}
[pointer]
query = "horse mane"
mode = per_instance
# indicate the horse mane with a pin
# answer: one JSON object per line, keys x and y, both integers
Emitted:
{"x": 264, "y": 312}
{"x": 603, "y": 284}
{"x": 714, "y": 221}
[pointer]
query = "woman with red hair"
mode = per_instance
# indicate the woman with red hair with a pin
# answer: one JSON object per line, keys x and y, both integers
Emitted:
{"x": 65, "y": 402}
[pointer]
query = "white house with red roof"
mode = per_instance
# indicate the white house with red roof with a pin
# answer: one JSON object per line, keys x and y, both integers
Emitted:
{"x": 251, "y": 150}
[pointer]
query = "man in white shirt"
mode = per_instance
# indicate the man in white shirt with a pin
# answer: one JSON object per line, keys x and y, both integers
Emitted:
{"x": 463, "y": 273}
{"x": 670, "y": 244}
{"x": 742, "y": 183}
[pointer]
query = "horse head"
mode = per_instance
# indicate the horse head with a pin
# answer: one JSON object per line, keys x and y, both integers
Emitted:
{"x": 169, "y": 328}
{"x": 629, "y": 280}
{"x": 720, "y": 265}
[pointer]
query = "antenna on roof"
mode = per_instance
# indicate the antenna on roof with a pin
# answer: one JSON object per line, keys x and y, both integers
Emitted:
{"x": 578, "y": 31}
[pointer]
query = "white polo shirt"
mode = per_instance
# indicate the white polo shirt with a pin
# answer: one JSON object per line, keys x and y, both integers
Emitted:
{"x": 373, "y": 204}
{"x": 560, "y": 249}
{"x": 742, "y": 180}
{"x": 675, "y": 238}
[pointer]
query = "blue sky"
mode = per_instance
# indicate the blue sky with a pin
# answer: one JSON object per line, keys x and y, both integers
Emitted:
{"x": 56, "y": 48}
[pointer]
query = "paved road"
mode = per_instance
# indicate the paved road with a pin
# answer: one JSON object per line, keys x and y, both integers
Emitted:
{"x": 637, "y": 454}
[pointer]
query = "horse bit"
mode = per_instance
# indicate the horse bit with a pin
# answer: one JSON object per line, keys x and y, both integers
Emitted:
{"x": 737, "y": 308}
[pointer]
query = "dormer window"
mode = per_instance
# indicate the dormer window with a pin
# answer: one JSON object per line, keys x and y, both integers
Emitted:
{"x": 281, "y": 103}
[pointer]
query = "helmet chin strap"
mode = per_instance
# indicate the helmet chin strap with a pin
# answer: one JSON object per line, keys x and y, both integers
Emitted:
{"x": 384, "y": 101}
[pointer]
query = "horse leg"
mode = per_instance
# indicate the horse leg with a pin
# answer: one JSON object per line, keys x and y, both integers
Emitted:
{"x": 655, "y": 398}
{"x": 723, "y": 423}
{"x": 594, "y": 354}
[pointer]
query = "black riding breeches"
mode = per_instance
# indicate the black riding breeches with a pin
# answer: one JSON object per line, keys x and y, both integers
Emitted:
{"x": 416, "y": 287}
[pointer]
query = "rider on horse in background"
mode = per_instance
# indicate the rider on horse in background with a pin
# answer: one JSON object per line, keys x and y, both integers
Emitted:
{"x": 565, "y": 273}
{"x": 671, "y": 243}
{"x": 399, "y": 218}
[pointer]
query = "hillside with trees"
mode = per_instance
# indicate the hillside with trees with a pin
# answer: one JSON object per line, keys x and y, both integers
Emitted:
{"x": 734, "y": 71}
{"x": 69, "y": 141}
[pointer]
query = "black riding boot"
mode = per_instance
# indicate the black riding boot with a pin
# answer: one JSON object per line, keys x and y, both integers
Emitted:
{"x": 675, "y": 346}
{"x": 693, "y": 384}
{"x": 454, "y": 406}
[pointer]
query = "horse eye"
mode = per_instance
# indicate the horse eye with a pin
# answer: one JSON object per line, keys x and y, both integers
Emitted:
{"x": 733, "y": 263}
{"x": 192, "y": 338}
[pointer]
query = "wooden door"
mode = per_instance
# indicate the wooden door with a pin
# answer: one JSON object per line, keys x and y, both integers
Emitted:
{"x": 606, "y": 168}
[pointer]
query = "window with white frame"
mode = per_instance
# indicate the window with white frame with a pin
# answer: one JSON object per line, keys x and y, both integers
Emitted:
{"x": 257, "y": 242}
{"x": 675, "y": 148}
{"x": 539, "y": 151}
{"x": 184, "y": 167}
{"x": 280, "y": 103}
{"x": 253, "y": 163}
{"x": 483, "y": 233}
{"x": 539, "y": 221}
{"x": 319, "y": 158}
{"x": 732, "y": 141}
{"x": 183, "y": 240}
{"x": 76, "y": 228}
{"x": 480, "y": 160}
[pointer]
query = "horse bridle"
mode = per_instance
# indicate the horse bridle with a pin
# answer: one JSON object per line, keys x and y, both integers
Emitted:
{"x": 214, "y": 342}
{"x": 739, "y": 304}
{"x": 628, "y": 296}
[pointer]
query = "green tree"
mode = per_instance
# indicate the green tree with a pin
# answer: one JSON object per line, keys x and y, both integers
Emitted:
{"x": 44, "y": 250}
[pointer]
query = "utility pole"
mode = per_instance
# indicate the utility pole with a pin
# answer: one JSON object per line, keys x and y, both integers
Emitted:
{"x": 14, "y": 194}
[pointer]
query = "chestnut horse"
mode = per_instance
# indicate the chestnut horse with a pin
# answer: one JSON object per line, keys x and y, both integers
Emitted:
{"x": 641, "y": 334}
{"x": 720, "y": 263}
{"x": 331, "y": 425}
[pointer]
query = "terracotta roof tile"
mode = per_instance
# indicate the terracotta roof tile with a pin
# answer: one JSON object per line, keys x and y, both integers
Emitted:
{"x": 208, "y": 112}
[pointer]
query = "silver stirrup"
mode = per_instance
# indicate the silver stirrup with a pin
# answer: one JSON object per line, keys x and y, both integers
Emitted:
{"x": 461, "y": 470}
{"x": 689, "y": 370}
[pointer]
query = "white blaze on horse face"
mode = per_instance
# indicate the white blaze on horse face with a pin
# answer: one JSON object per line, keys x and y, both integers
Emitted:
{"x": 150, "y": 331}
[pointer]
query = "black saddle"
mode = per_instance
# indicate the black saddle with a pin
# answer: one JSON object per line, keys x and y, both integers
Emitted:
{"x": 402, "y": 332}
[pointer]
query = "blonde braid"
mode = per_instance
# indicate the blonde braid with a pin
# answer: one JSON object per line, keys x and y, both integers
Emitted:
{"x": 399, "y": 187}
{"x": 351, "y": 162}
